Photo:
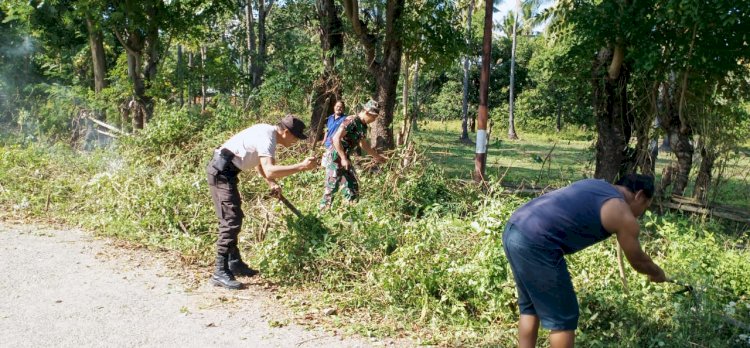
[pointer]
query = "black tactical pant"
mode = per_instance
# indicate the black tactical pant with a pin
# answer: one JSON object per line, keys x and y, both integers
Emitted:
{"x": 227, "y": 203}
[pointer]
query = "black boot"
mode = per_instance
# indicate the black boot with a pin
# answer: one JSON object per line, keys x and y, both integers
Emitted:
{"x": 222, "y": 275}
{"x": 237, "y": 266}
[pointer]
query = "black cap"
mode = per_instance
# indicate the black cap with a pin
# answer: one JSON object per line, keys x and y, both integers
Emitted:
{"x": 295, "y": 126}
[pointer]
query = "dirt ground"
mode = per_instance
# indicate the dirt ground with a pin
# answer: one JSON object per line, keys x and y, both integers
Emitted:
{"x": 65, "y": 288}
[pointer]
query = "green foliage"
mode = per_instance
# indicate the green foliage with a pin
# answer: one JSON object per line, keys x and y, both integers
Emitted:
{"x": 173, "y": 128}
{"x": 653, "y": 314}
{"x": 432, "y": 31}
{"x": 447, "y": 104}
{"x": 417, "y": 248}
{"x": 560, "y": 85}
{"x": 417, "y": 251}
{"x": 56, "y": 106}
{"x": 294, "y": 252}
{"x": 453, "y": 269}
{"x": 425, "y": 189}
{"x": 680, "y": 59}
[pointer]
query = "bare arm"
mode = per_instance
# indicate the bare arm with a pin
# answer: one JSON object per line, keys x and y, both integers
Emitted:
{"x": 617, "y": 218}
{"x": 337, "y": 141}
{"x": 340, "y": 148}
{"x": 275, "y": 188}
{"x": 366, "y": 146}
{"x": 273, "y": 171}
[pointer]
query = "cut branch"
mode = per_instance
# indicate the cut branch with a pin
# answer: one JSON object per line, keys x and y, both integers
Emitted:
{"x": 617, "y": 58}
{"x": 717, "y": 212}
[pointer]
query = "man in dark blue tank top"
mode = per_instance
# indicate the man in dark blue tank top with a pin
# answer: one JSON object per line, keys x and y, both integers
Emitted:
{"x": 562, "y": 222}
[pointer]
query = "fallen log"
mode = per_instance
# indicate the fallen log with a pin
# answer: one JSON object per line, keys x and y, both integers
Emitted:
{"x": 110, "y": 127}
{"x": 107, "y": 134}
{"x": 705, "y": 211}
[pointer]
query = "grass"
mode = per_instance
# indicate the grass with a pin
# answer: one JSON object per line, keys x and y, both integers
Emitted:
{"x": 555, "y": 160}
{"x": 515, "y": 161}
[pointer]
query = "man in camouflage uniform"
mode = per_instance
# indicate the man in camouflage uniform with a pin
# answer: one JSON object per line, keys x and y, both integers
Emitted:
{"x": 339, "y": 170}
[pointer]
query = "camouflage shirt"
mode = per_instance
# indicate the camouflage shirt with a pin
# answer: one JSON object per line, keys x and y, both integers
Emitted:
{"x": 356, "y": 130}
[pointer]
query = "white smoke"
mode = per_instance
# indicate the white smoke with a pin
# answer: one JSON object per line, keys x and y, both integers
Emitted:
{"x": 17, "y": 49}
{"x": 20, "y": 49}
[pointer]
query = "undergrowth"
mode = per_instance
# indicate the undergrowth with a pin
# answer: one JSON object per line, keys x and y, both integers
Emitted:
{"x": 419, "y": 253}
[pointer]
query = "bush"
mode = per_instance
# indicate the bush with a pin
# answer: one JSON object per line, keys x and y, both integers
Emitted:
{"x": 448, "y": 103}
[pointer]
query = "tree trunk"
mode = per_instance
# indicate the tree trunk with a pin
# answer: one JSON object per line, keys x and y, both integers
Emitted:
{"x": 410, "y": 124}
{"x": 203, "y": 78}
{"x": 465, "y": 99}
{"x": 125, "y": 121}
{"x": 703, "y": 180}
{"x": 137, "y": 105}
{"x": 666, "y": 180}
{"x": 260, "y": 59}
{"x": 191, "y": 101}
{"x": 142, "y": 43}
{"x": 611, "y": 110}
{"x": 404, "y": 101}
{"x": 96, "y": 44}
{"x": 558, "y": 123}
{"x": 480, "y": 157}
{"x": 327, "y": 89}
{"x": 682, "y": 147}
{"x": 680, "y": 134}
{"x": 415, "y": 87}
{"x": 382, "y": 131}
{"x": 648, "y": 140}
{"x": 386, "y": 72}
{"x": 643, "y": 158}
{"x": 683, "y": 150}
{"x": 511, "y": 99}
{"x": 250, "y": 35}
{"x": 323, "y": 104}
{"x": 180, "y": 76}
{"x": 153, "y": 56}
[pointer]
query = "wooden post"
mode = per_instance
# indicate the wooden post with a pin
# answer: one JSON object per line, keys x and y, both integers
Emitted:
{"x": 480, "y": 158}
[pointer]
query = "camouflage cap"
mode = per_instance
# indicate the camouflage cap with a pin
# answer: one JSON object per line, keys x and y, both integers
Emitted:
{"x": 371, "y": 107}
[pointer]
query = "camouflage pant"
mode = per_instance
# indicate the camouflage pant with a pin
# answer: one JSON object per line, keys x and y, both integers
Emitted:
{"x": 338, "y": 177}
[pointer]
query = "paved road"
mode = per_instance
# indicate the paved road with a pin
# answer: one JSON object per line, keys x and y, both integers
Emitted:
{"x": 63, "y": 288}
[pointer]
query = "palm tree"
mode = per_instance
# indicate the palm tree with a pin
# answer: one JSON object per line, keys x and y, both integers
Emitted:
{"x": 529, "y": 10}
{"x": 465, "y": 101}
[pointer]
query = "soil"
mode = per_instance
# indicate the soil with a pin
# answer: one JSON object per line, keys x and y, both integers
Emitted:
{"x": 66, "y": 288}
